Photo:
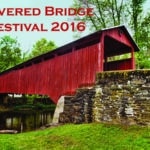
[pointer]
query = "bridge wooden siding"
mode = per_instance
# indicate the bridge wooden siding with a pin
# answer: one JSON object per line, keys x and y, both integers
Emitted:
{"x": 62, "y": 71}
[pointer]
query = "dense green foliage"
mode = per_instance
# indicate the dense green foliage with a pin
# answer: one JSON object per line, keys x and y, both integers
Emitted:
{"x": 10, "y": 52}
{"x": 80, "y": 137}
{"x": 42, "y": 46}
{"x": 143, "y": 56}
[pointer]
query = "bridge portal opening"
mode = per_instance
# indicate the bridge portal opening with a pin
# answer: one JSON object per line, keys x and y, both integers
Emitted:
{"x": 117, "y": 55}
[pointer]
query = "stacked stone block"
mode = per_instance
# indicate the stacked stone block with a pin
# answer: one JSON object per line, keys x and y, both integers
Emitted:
{"x": 78, "y": 109}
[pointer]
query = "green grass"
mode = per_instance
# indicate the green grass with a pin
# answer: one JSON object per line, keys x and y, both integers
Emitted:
{"x": 80, "y": 137}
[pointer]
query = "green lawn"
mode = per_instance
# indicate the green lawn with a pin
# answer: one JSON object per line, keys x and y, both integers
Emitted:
{"x": 80, "y": 137}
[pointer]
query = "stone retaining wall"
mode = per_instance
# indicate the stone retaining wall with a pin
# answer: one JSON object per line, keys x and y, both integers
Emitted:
{"x": 118, "y": 97}
{"x": 78, "y": 109}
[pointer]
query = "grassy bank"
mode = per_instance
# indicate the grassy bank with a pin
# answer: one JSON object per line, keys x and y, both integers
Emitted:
{"x": 80, "y": 137}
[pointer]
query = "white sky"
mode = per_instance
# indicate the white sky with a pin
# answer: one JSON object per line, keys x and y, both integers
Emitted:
{"x": 27, "y": 39}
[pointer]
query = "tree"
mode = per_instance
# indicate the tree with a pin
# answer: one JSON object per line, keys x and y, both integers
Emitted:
{"x": 10, "y": 52}
{"x": 109, "y": 13}
{"x": 136, "y": 10}
{"x": 42, "y": 46}
{"x": 143, "y": 36}
{"x": 106, "y": 12}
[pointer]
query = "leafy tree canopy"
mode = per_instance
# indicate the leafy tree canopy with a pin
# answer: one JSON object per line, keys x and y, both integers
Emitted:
{"x": 10, "y": 52}
{"x": 42, "y": 46}
{"x": 143, "y": 57}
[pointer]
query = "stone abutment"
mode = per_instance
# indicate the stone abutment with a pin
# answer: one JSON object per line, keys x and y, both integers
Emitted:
{"x": 121, "y": 97}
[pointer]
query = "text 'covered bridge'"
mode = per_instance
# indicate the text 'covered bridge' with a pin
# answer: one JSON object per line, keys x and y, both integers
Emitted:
{"x": 62, "y": 71}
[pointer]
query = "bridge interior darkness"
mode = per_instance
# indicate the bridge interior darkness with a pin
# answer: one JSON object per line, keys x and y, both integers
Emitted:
{"x": 113, "y": 48}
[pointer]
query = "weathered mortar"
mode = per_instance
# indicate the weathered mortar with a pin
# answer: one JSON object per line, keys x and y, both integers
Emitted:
{"x": 118, "y": 97}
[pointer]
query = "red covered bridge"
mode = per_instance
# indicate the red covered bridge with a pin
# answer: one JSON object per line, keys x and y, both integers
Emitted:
{"x": 62, "y": 71}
